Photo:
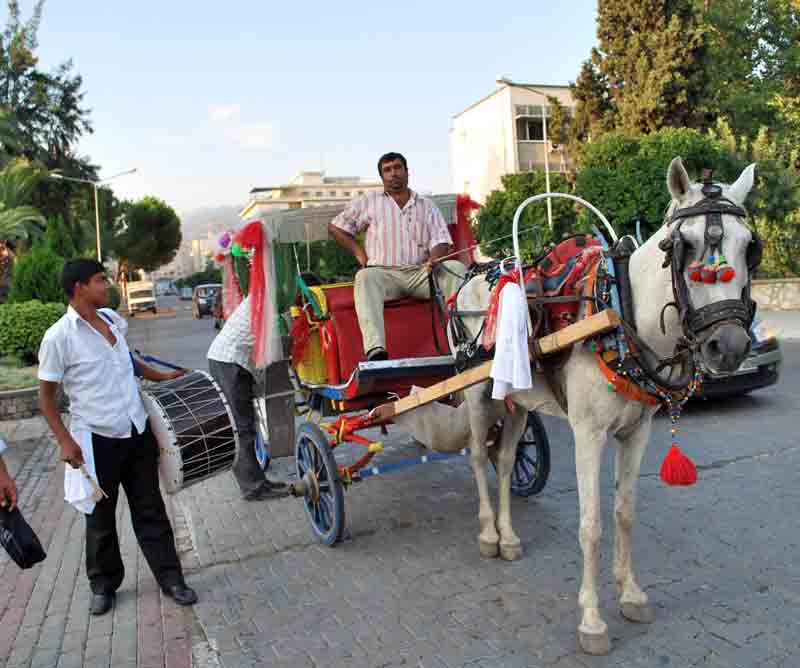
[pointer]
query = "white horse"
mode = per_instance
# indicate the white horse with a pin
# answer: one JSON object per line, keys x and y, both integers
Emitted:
{"x": 594, "y": 412}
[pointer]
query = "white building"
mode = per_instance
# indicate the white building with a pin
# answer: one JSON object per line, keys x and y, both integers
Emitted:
{"x": 305, "y": 190}
{"x": 503, "y": 134}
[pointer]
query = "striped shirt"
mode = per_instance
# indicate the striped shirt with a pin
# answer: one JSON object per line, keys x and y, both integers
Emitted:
{"x": 395, "y": 237}
{"x": 234, "y": 343}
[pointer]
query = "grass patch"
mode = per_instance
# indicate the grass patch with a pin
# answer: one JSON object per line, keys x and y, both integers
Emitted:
{"x": 16, "y": 377}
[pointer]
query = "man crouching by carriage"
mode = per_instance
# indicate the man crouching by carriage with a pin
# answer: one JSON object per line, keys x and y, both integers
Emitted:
{"x": 109, "y": 441}
{"x": 230, "y": 361}
{"x": 406, "y": 239}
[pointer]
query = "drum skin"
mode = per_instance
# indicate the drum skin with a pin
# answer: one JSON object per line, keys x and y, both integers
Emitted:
{"x": 194, "y": 427}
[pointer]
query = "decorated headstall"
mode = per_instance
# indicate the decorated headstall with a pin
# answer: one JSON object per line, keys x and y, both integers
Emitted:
{"x": 711, "y": 265}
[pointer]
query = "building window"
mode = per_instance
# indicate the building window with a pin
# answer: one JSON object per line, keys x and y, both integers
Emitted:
{"x": 360, "y": 192}
{"x": 306, "y": 193}
{"x": 319, "y": 193}
{"x": 346, "y": 193}
{"x": 331, "y": 193}
{"x": 530, "y": 129}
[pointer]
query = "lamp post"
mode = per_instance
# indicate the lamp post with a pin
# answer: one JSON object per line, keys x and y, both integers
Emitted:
{"x": 506, "y": 81}
{"x": 95, "y": 185}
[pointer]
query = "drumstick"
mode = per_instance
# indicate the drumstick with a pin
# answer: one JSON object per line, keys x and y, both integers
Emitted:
{"x": 98, "y": 492}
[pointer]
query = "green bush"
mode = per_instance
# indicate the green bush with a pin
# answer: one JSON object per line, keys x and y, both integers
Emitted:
{"x": 22, "y": 327}
{"x": 37, "y": 275}
{"x": 114, "y": 296}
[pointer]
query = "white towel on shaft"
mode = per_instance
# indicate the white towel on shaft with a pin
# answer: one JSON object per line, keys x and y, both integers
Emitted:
{"x": 79, "y": 491}
{"x": 511, "y": 369}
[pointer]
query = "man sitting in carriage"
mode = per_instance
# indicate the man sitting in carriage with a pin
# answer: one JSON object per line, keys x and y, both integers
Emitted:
{"x": 406, "y": 239}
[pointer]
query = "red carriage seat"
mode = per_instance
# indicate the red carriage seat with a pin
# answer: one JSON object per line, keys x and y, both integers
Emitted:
{"x": 407, "y": 322}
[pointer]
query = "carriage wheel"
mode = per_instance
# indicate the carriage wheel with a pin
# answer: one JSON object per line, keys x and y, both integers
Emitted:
{"x": 324, "y": 495}
{"x": 532, "y": 464}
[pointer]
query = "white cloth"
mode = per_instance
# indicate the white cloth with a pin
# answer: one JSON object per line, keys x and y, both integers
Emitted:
{"x": 3, "y": 446}
{"x": 96, "y": 376}
{"x": 511, "y": 368}
{"x": 234, "y": 343}
{"x": 99, "y": 383}
{"x": 78, "y": 491}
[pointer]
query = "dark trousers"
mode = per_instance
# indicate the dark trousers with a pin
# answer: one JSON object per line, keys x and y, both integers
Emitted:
{"x": 132, "y": 462}
{"x": 237, "y": 384}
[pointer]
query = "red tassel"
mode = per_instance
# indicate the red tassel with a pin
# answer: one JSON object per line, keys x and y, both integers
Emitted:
{"x": 677, "y": 468}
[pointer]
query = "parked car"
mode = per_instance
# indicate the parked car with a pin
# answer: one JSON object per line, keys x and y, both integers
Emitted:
{"x": 217, "y": 312}
{"x": 203, "y": 298}
{"x": 761, "y": 368}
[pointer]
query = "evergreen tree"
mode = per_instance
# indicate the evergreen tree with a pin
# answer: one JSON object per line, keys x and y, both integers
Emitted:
{"x": 647, "y": 71}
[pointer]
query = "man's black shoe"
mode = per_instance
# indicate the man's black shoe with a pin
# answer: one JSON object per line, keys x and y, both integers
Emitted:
{"x": 181, "y": 594}
{"x": 377, "y": 355}
{"x": 101, "y": 603}
{"x": 267, "y": 490}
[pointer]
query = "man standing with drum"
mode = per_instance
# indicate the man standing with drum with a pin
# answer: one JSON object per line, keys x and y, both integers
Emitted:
{"x": 230, "y": 361}
{"x": 85, "y": 351}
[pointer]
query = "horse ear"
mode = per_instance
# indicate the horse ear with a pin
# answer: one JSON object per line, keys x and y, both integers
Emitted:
{"x": 678, "y": 181}
{"x": 738, "y": 191}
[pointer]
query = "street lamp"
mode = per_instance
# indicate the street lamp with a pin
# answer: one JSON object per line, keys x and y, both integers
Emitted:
{"x": 95, "y": 185}
{"x": 506, "y": 81}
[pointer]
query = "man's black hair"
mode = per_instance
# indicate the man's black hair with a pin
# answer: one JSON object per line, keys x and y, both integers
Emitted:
{"x": 79, "y": 270}
{"x": 388, "y": 157}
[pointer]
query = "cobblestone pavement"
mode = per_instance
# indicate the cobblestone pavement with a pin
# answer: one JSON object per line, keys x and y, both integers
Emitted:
{"x": 44, "y": 611}
{"x": 409, "y": 588}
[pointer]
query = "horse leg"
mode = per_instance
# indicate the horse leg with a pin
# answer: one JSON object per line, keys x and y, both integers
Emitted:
{"x": 480, "y": 418}
{"x": 513, "y": 426}
{"x": 632, "y": 600}
{"x": 592, "y": 631}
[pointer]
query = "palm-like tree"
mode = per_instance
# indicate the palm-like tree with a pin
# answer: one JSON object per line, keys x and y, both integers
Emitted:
{"x": 18, "y": 180}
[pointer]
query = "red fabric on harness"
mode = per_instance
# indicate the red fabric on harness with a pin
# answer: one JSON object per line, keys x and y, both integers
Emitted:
{"x": 407, "y": 323}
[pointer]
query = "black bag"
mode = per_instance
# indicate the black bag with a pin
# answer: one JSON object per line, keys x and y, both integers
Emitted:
{"x": 19, "y": 539}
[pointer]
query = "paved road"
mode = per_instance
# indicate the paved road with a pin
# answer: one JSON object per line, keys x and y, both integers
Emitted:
{"x": 410, "y": 589}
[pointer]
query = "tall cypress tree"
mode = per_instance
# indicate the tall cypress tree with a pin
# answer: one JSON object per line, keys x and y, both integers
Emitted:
{"x": 647, "y": 71}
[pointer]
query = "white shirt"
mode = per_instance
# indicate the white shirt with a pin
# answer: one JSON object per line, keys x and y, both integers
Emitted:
{"x": 395, "y": 237}
{"x": 234, "y": 343}
{"x": 96, "y": 376}
{"x": 3, "y": 446}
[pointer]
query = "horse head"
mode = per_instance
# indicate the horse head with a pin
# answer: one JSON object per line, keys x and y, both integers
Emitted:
{"x": 712, "y": 254}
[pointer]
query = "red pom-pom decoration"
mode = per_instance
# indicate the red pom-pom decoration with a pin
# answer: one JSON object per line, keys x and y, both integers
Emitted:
{"x": 709, "y": 274}
{"x": 695, "y": 271}
{"x": 677, "y": 468}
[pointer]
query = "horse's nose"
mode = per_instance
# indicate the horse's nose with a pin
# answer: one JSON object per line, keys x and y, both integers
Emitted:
{"x": 726, "y": 348}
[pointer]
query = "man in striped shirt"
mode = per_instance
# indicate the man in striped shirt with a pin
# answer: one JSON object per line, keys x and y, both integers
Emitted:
{"x": 406, "y": 236}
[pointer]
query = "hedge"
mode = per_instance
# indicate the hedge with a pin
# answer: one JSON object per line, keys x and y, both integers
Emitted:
{"x": 22, "y": 327}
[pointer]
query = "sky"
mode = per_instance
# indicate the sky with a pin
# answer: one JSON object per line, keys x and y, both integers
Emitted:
{"x": 210, "y": 99}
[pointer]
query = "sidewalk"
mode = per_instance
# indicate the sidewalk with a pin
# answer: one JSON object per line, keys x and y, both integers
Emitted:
{"x": 44, "y": 612}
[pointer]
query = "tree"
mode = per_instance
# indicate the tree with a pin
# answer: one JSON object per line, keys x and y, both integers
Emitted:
{"x": 149, "y": 236}
{"x": 624, "y": 177}
{"x": 647, "y": 71}
{"x": 17, "y": 182}
{"x": 495, "y": 219}
{"x": 46, "y": 106}
{"x": 36, "y": 276}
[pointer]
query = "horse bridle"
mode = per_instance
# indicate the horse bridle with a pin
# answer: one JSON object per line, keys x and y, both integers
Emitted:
{"x": 697, "y": 323}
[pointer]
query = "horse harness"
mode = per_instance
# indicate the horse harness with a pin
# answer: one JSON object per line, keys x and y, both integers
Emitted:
{"x": 631, "y": 367}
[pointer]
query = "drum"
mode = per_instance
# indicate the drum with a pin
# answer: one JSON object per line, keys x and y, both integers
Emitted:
{"x": 194, "y": 427}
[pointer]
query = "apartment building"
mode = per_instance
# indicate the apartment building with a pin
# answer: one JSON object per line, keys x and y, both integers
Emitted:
{"x": 504, "y": 133}
{"x": 307, "y": 189}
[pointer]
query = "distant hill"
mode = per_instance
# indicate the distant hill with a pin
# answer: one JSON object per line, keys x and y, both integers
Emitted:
{"x": 196, "y": 224}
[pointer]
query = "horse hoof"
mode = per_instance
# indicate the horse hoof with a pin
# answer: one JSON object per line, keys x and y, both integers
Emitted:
{"x": 597, "y": 644}
{"x": 641, "y": 614}
{"x": 511, "y": 552}
{"x": 488, "y": 549}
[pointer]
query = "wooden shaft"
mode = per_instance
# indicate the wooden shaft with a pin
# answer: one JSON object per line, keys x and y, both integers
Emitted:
{"x": 583, "y": 329}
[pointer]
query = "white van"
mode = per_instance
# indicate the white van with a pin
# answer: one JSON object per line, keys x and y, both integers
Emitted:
{"x": 141, "y": 297}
